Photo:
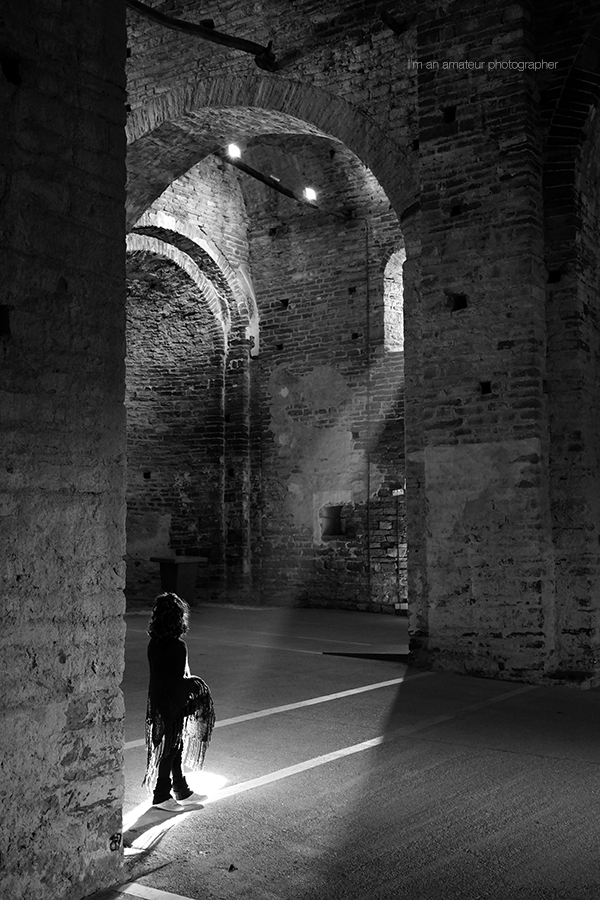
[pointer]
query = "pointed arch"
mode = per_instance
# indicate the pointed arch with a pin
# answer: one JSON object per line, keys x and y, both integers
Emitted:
{"x": 185, "y": 235}
{"x": 149, "y": 244}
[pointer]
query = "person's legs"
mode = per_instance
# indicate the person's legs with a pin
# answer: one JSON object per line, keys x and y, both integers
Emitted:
{"x": 180, "y": 785}
{"x": 162, "y": 790}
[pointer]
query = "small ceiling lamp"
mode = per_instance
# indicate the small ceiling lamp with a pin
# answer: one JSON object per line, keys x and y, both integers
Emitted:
{"x": 234, "y": 151}
{"x": 310, "y": 194}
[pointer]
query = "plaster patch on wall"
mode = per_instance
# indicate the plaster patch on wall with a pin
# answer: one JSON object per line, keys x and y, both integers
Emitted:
{"x": 148, "y": 534}
{"x": 324, "y": 388}
{"x": 322, "y": 458}
{"x": 476, "y": 495}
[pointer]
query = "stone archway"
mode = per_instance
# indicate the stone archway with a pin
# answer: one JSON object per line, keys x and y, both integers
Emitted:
{"x": 177, "y": 129}
{"x": 186, "y": 130}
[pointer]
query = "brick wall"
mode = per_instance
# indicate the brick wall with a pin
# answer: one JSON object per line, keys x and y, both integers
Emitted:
{"x": 568, "y": 99}
{"x": 298, "y": 260}
{"x": 62, "y": 304}
{"x": 572, "y": 230}
{"x": 330, "y": 397}
{"x": 485, "y": 592}
{"x": 489, "y": 434}
{"x": 174, "y": 421}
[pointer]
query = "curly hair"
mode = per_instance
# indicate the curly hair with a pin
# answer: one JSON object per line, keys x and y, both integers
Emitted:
{"x": 170, "y": 616}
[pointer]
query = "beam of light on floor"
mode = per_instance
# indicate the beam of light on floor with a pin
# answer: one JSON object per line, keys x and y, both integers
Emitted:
{"x": 141, "y": 832}
{"x": 149, "y": 836}
{"x": 396, "y": 733}
{"x": 259, "y": 714}
{"x": 133, "y": 889}
{"x": 207, "y": 784}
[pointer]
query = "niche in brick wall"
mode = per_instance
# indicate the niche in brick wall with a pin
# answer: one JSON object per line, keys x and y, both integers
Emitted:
{"x": 332, "y": 523}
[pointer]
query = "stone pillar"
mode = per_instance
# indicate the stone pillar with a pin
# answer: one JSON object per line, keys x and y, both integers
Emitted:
{"x": 483, "y": 579}
{"x": 62, "y": 309}
{"x": 237, "y": 468}
{"x": 572, "y": 226}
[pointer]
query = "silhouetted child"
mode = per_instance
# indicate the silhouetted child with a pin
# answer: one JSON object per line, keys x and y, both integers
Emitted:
{"x": 180, "y": 715}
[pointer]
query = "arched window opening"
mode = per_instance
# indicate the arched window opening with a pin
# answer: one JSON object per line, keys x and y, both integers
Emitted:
{"x": 393, "y": 302}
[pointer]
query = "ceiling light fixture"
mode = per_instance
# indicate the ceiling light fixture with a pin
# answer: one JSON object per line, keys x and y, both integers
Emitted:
{"x": 234, "y": 151}
{"x": 310, "y": 194}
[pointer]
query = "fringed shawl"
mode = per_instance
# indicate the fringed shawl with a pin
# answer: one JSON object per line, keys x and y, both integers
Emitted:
{"x": 180, "y": 709}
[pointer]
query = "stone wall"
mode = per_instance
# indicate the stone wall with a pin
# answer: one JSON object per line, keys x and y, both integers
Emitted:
{"x": 62, "y": 309}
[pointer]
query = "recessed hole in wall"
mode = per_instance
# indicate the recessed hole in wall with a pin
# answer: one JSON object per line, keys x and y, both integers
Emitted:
{"x": 280, "y": 346}
{"x": 457, "y": 302}
{"x": 415, "y": 144}
{"x": 331, "y": 521}
{"x": 554, "y": 276}
{"x": 355, "y": 335}
{"x": 231, "y": 472}
{"x": 284, "y": 302}
{"x": 351, "y": 290}
{"x": 5, "y": 321}
{"x": 485, "y": 387}
{"x": 456, "y": 209}
{"x": 449, "y": 114}
{"x": 11, "y": 69}
{"x": 227, "y": 417}
{"x": 147, "y": 475}
{"x": 355, "y": 435}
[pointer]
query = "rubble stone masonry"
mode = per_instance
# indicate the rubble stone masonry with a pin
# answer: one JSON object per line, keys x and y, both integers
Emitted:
{"x": 62, "y": 290}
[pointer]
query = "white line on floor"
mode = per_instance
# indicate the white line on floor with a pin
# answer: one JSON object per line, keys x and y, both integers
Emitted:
{"x": 316, "y": 761}
{"x": 300, "y": 704}
{"x": 133, "y": 889}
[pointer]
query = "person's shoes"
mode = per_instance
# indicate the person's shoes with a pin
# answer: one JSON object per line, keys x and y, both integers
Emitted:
{"x": 170, "y": 805}
{"x": 192, "y": 800}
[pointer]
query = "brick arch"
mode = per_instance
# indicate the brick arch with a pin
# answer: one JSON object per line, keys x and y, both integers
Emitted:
{"x": 194, "y": 242}
{"x": 159, "y": 151}
{"x": 565, "y": 107}
{"x": 149, "y": 244}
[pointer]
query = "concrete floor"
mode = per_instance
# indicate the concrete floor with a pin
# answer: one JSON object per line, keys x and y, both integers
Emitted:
{"x": 429, "y": 786}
